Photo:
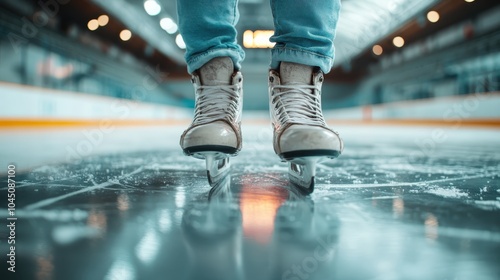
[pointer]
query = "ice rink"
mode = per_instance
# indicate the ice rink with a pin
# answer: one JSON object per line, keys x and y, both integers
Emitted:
{"x": 413, "y": 202}
{"x": 95, "y": 95}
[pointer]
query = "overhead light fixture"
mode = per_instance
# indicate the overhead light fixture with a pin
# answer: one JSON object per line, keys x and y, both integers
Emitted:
{"x": 433, "y": 16}
{"x": 103, "y": 20}
{"x": 248, "y": 39}
{"x": 93, "y": 24}
{"x": 168, "y": 25}
{"x": 377, "y": 50}
{"x": 398, "y": 41}
{"x": 258, "y": 39}
{"x": 125, "y": 35}
{"x": 180, "y": 42}
{"x": 152, "y": 7}
{"x": 469, "y": 1}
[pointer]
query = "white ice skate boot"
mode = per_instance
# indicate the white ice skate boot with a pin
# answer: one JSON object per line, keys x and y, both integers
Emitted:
{"x": 215, "y": 133}
{"x": 301, "y": 135}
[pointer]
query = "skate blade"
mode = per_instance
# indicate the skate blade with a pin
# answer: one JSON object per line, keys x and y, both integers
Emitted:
{"x": 301, "y": 172}
{"x": 220, "y": 191}
{"x": 217, "y": 166}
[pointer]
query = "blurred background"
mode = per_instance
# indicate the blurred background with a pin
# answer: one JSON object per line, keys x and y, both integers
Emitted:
{"x": 409, "y": 55}
{"x": 94, "y": 95}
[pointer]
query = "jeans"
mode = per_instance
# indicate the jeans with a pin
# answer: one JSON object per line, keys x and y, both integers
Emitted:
{"x": 304, "y": 31}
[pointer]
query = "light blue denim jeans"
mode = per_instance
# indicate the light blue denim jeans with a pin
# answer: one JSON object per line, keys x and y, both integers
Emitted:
{"x": 304, "y": 31}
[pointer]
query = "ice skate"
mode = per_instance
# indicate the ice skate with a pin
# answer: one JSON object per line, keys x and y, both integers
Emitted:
{"x": 301, "y": 135}
{"x": 215, "y": 133}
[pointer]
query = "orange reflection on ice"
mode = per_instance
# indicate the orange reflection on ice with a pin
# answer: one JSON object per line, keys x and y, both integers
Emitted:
{"x": 97, "y": 220}
{"x": 45, "y": 267}
{"x": 431, "y": 227}
{"x": 258, "y": 205}
{"x": 123, "y": 202}
{"x": 398, "y": 207}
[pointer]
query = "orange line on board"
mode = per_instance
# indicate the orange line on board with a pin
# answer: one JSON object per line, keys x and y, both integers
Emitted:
{"x": 23, "y": 123}
{"x": 69, "y": 123}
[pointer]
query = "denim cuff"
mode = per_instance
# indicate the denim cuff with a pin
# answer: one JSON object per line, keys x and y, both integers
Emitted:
{"x": 287, "y": 54}
{"x": 197, "y": 61}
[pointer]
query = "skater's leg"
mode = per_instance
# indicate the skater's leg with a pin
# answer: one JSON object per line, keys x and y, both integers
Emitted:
{"x": 304, "y": 32}
{"x": 214, "y": 58}
{"x": 215, "y": 133}
{"x": 207, "y": 28}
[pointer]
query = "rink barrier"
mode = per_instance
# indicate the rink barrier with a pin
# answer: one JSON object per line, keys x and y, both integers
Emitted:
{"x": 476, "y": 106}
{"x": 22, "y": 105}
{"x": 31, "y": 107}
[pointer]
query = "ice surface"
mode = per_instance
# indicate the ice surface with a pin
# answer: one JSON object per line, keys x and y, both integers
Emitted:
{"x": 450, "y": 192}
{"x": 135, "y": 207}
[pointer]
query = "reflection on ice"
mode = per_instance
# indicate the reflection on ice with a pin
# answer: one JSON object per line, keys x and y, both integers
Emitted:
{"x": 272, "y": 220}
{"x": 121, "y": 270}
{"x": 258, "y": 207}
{"x": 147, "y": 248}
{"x": 68, "y": 234}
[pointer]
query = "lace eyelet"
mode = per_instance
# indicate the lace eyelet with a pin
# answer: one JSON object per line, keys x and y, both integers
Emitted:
{"x": 271, "y": 79}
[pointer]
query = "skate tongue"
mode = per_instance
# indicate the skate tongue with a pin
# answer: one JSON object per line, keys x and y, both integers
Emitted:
{"x": 295, "y": 74}
{"x": 217, "y": 71}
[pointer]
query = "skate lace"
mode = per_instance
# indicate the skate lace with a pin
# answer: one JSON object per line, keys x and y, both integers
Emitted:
{"x": 216, "y": 103}
{"x": 298, "y": 104}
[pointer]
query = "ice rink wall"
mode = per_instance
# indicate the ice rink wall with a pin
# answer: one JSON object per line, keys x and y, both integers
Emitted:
{"x": 478, "y": 106}
{"x": 25, "y": 105}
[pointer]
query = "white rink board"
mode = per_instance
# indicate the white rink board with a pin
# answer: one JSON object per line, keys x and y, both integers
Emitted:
{"x": 472, "y": 106}
{"x": 17, "y": 101}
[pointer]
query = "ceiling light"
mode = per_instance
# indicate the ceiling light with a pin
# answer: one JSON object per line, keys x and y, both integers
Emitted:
{"x": 469, "y": 1}
{"x": 152, "y": 7}
{"x": 258, "y": 39}
{"x": 398, "y": 41}
{"x": 377, "y": 50}
{"x": 433, "y": 16}
{"x": 103, "y": 20}
{"x": 168, "y": 25}
{"x": 248, "y": 39}
{"x": 180, "y": 42}
{"x": 125, "y": 35}
{"x": 93, "y": 24}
